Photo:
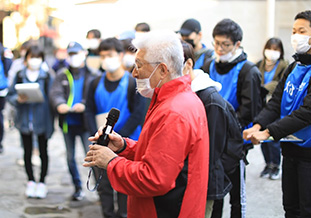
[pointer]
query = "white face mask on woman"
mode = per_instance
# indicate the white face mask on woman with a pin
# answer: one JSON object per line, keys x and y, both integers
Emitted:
{"x": 34, "y": 63}
{"x": 300, "y": 43}
{"x": 111, "y": 65}
{"x": 143, "y": 85}
{"x": 272, "y": 55}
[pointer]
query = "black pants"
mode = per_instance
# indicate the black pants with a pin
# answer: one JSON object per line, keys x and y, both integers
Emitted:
{"x": 296, "y": 187}
{"x": 27, "y": 142}
{"x": 237, "y": 195}
{"x": 106, "y": 195}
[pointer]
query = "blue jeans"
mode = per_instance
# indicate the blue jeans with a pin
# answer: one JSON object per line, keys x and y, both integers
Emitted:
{"x": 2, "y": 103}
{"x": 70, "y": 141}
{"x": 296, "y": 187}
{"x": 271, "y": 152}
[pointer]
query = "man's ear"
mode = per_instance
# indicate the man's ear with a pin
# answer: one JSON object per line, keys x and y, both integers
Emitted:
{"x": 238, "y": 43}
{"x": 164, "y": 70}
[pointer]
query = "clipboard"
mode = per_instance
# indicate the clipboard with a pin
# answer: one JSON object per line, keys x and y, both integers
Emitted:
{"x": 31, "y": 90}
{"x": 289, "y": 138}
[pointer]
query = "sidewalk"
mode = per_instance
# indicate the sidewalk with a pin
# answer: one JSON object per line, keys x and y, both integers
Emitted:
{"x": 14, "y": 204}
{"x": 263, "y": 195}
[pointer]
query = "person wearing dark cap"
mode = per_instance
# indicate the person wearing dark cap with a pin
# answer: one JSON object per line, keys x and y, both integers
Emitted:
{"x": 190, "y": 32}
{"x": 68, "y": 96}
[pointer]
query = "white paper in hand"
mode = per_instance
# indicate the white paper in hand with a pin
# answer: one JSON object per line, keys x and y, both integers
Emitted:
{"x": 31, "y": 90}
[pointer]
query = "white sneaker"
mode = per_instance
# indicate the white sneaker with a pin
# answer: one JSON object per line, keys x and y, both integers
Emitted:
{"x": 31, "y": 189}
{"x": 41, "y": 190}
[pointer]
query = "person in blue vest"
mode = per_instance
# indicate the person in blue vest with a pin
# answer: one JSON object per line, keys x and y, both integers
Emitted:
{"x": 6, "y": 57}
{"x": 241, "y": 82}
{"x": 114, "y": 88}
{"x": 68, "y": 97}
{"x": 289, "y": 112}
{"x": 190, "y": 32}
{"x": 272, "y": 67}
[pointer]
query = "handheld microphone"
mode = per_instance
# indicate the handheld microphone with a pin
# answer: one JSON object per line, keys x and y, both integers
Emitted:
{"x": 112, "y": 118}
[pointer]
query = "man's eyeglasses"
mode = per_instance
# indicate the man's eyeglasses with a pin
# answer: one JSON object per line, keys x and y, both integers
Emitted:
{"x": 139, "y": 65}
{"x": 223, "y": 45}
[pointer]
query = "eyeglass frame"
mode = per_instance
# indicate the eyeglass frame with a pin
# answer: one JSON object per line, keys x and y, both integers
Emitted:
{"x": 137, "y": 68}
{"x": 222, "y": 45}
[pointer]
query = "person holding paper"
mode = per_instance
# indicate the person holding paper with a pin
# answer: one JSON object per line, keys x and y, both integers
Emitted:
{"x": 289, "y": 112}
{"x": 29, "y": 117}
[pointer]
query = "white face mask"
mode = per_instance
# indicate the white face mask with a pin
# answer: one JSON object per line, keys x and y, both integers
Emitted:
{"x": 128, "y": 60}
{"x": 34, "y": 63}
{"x": 143, "y": 85}
{"x": 92, "y": 43}
{"x": 224, "y": 58}
{"x": 76, "y": 60}
{"x": 111, "y": 64}
{"x": 300, "y": 43}
{"x": 272, "y": 55}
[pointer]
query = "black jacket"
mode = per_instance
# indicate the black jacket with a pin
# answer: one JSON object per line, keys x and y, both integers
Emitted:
{"x": 298, "y": 119}
{"x": 215, "y": 106}
{"x": 248, "y": 87}
{"x": 60, "y": 90}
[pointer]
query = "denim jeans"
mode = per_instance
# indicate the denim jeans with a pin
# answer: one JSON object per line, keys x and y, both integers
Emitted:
{"x": 2, "y": 103}
{"x": 271, "y": 152}
{"x": 296, "y": 187}
{"x": 70, "y": 141}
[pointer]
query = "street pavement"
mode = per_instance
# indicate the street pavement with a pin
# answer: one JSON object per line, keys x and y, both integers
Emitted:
{"x": 263, "y": 195}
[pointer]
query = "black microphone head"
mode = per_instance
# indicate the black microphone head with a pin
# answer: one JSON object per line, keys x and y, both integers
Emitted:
{"x": 113, "y": 115}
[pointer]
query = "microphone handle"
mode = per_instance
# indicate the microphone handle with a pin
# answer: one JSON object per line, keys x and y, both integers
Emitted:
{"x": 104, "y": 138}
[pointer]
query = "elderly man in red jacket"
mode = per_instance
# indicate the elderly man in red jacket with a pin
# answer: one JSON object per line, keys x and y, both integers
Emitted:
{"x": 165, "y": 172}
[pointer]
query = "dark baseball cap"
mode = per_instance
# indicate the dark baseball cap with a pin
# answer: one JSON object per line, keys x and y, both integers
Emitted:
{"x": 189, "y": 26}
{"x": 74, "y": 47}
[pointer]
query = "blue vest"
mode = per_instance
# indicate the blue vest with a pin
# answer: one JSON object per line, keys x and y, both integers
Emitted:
{"x": 269, "y": 75}
{"x": 3, "y": 78}
{"x": 295, "y": 90}
{"x": 105, "y": 100}
{"x": 229, "y": 82}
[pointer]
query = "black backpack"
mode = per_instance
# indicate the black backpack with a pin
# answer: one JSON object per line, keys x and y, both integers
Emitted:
{"x": 234, "y": 150}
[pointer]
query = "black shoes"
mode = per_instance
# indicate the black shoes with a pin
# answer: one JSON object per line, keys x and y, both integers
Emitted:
{"x": 271, "y": 171}
{"x": 78, "y": 195}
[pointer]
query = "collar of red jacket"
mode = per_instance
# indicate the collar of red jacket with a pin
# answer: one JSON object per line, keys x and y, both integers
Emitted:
{"x": 172, "y": 87}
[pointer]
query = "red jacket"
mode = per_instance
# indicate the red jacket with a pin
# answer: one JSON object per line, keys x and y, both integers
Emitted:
{"x": 165, "y": 173}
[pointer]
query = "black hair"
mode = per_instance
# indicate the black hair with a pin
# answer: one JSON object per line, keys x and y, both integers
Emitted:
{"x": 188, "y": 51}
{"x": 278, "y": 43}
{"x": 128, "y": 46}
{"x": 95, "y": 32}
{"x": 111, "y": 44}
{"x": 35, "y": 51}
{"x": 142, "y": 27}
{"x": 228, "y": 28}
{"x": 304, "y": 15}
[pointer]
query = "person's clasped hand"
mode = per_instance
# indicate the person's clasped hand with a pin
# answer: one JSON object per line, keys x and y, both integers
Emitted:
{"x": 99, "y": 155}
{"x": 255, "y": 135}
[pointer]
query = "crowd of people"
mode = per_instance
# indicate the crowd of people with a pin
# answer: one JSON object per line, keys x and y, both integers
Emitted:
{"x": 189, "y": 115}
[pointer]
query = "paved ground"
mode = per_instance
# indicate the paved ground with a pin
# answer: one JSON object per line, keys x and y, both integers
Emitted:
{"x": 263, "y": 195}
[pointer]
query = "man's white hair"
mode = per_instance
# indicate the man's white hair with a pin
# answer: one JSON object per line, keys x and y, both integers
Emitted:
{"x": 164, "y": 47}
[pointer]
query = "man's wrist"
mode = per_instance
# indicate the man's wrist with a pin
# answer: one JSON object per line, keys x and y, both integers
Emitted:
{"x": 122, "y": 149}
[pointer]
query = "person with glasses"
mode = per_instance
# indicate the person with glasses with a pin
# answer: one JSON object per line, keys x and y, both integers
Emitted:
{"x": 114, "y": 88}
{"x": 190, "y": 32}
{"x": 289, "y": 112}
{"x": 165, "y": 172}
{"x": 241, "y": 82}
